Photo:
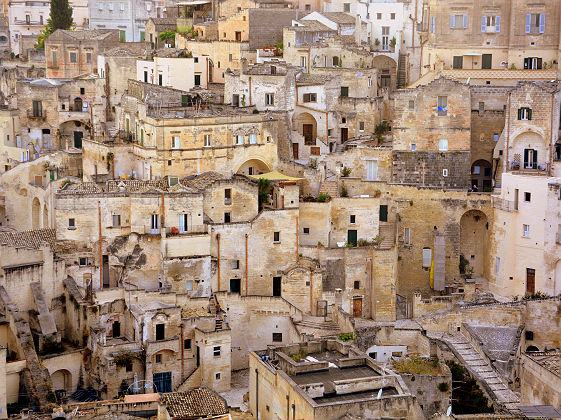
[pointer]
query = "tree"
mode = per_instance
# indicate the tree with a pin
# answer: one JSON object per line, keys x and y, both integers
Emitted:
{"x": 60, "y": 18}
{"x": 167, "y": 36}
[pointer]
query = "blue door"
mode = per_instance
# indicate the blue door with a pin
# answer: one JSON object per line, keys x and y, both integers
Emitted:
{"x": 162, "y": 382}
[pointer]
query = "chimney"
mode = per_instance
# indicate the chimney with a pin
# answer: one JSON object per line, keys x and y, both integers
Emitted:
{"x": 358, "y": 27}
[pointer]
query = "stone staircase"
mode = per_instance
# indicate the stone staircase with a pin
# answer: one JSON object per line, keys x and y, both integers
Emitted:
{"x": 387, "y": 231}
{"x": 192, "y": 381}
{"x": 402, "y": 71}
{"x": 317, "y": 326}
{"x": 479, "y": 367}
{"x": 329, "y": 187}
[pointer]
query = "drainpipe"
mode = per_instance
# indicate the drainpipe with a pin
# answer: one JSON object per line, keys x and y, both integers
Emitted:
{"x": 311, "y": 293}
{"x": 372, "y": 296}
{"x": 257, "y": 394}
{"x": 246, "y": 277}
{"x": 297, "y": 249}
{"x": 182, "y": 351}
{"x": 100, "y": 246}
{"x": 507, "y": 137}
{"x": 550, "y": 164}
{"x": 249, "y": 90}
{"x": 218, "y": 261}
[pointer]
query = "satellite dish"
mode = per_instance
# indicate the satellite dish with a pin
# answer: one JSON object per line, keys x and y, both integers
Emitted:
{"x": 380, "y": 393}
{"x": 449, "y": 411}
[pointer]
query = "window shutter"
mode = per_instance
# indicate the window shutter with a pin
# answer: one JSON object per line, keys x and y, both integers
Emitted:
{"x": 497, "y": 24}
{"x": 483, "y": 23}
{"x": 519, "y": 113}
{"x": 526, "y": 153}
{"x": 529, "y": 113}
{"x": 465, "y": 21}
{"x": 528, "y": 22}
{"x": 542, "y": 23}
{"x": 535, "y": 152}
{"x": 433, "y": 24}
{"x": 526, "y": 64}
{"x": 452, "y": 21}
{"x": 539, "y": 64}
{"x": 181, "y": 225}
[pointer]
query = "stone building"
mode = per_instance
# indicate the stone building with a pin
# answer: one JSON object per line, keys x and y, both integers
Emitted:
{"x": 74, "y": 53}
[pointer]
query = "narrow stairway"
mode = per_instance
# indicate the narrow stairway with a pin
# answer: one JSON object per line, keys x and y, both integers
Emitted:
{"x": 317, "y": 326}
{"x": 329, "y": 187}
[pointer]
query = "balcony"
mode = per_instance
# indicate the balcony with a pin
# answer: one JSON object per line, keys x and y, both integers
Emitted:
{"x": 35, "y": 116}
{"x": 537, "y": 169}
{"x": 506, "y": 205}
{"x": 28, "y": 22}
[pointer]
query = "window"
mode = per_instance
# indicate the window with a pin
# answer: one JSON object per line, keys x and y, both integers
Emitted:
{"x": 491, "y": 24}
{"x": 442, "y": 104}
{"x": 458, "y": 62}
{"x": 529, "y": 335}
{"x": 160, "y": 331}
{"x": 239, "y": 139}
{"x": 371, "y": 170}
{"x": 217, "y": 376}
{"x": 276, "y": 237}
{"x": 153, "y": 222}
{"x": 160, "y": 79}
{"x": 122, "y": 36}
{"x": 533, "y": 63}
{"x": 122, "y": 7}
{"x": 347, "y": 7}
{"x": 110, "y": 6}
{"x": 158, "y": 358}
{"x": 227, "y": 217}
{"x": 476, "y": 170}
{"x": 227, "y": 196}
{"x": 55, "y": 60}
{"x": 216, "y": 351}
{"x": 310, "y": 97}
{"x": 496, "y": 136}
{"x": 525, "y": 114}
{"x": 392, "y": 16}
{"x": 445, "y": 172}
{"x": 361, "y": 126}
{"x": 207, "y": 140}
{"x": 411, "y": 105}
{"x": 308, "y": 7}
{"x": 197, "y": 79}
{"x": 253, "y": 139}
{"x": 37, "y": 109}
{"x": 116, "y": 220}
{"x": 277, "y": 337}
{"x": 344, "y": 91}
{"x": 443, "y": 145}
{"x": 352, "y": 219}
{"x": 89, "y": 58}
{"x": 497, "y": 265}
{"x": 173, "y": 180}
{"x": 527, "y": 196}
{"x": 306, "y": 231}
{"x": 82, "y": 261}
{"x": 100, "y": 6}
{"x": 175, "y": 142}
{"x": 189, "y": 285}
{"x": 407, "y": 236}
{"x": 187, "y": 344}
{"x": 356, "y": 285}
{"x": 379, "y": 16}
{"x": 303, "y": 62}
{"x": 145, "y": 76}
{"x": 385, "y": 38}
{"x": 427, "y": 257}
{"x": 183, "y": 223}
{"x": 71, "y": 223}
{"x": 458, "y": 21}
{"x": 535, "y": 23}
{"x": 73, "y": 57}
{"x": 433, "y": 24}
{"x": 148, "y": 6}
{"x": 526, "y": 231}
{"x": 273, "y": 70}
{"x": 235, "y": 264}
{"x": 413, "y": 147}
{"x": 195, "y": 59}
{"x": 230, "y": 58}
{"x": 269, "y": 99}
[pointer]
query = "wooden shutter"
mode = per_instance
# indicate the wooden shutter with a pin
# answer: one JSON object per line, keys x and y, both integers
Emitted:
{"x": 542, "y": 23}
{"x": 528, "y": 22}
{"x": 529, "y": 113}
{"x": 452, "y": 21}
{"x": 465, "y": 21}
{"x": 497, "y": 24}
{"x": 539, "y": 66}
{"x": 526, "y": 65}
{"x": 433, "y": 24}
{"x": 483, "y": 23}
{"x": 519, "y": 113}
{"x": 535, "y": 152}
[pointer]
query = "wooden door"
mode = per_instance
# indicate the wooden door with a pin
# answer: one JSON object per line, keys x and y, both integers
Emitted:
{"x": 352, "y": 237}
{"x": 357, "y": 307}
{"x": 308, "y": 133}
{"x": 344, "y": 135}
{"x": 277, "y": 286}
{"x": 295, "y": 151}
{"x": 78, "y": 139}
{"x": 383, "y": 213}
{"x": 487, "y": 61}
{"x": 530, "y": 281}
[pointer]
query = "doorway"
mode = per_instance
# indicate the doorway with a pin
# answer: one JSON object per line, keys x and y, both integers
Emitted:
{"x": 235, "y": 286}
{"x": 352, "y": 237}
{"x": 530, "y": 281}
{"x": 357, "y": 307}
{"x": 295, "y": 151}
{"x": 530, "y": 159}
{"x": 162, "y": 382}
{"x": 236, "y": 100}
{"x": 238, "y": 36}
{"x": 383, "y": 213}
{"x": 78, "y": 139}
{"x": 116, "y": 329}
{"x": 277, "y": 286}
{"x": 308, "y": 133}
{"x": 487, "y": 61}
{"x": 106, "y": 271}
{"x": 344, "y": 134}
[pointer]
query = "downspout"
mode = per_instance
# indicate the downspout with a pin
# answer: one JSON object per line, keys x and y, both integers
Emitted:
{"x": 257, "y": 394}
{"x": 507, "y": 137}
{"x": 550, "y": 164}
{"x": 182, "y": 351}
{"x": 218, "y": 261}
{"x": 297, "y": 239}
{"x": 311, "y": 293}
{"x": 100, "y": 246}
{"x": 372, "y": 297}
{"x": 246, "y": 277}
{"x": 249, "y": 90}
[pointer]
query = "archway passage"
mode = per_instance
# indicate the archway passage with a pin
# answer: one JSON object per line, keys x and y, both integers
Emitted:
{"x": 62, "y": 380}
{"x": 253, "y": 167}
{"x": 531, "y": 349}
{"x": 36, "y": 214}
{"x": 481, "y": 171}
{"x": 306, "y": 125}
{"x": 473, "y": 243}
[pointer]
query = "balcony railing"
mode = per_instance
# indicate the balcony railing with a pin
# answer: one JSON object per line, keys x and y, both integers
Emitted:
{"x": 191, "y": 229}
{"x": 38, "y": 116}
{"x": 506, "y": 205}
{"x": 540, "y": 168}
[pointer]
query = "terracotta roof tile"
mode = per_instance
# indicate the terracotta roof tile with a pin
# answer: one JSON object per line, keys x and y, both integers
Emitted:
{"x": 197, "y": 402}
{"x": 31, "y": 239}
{"x": 202, "y": 181}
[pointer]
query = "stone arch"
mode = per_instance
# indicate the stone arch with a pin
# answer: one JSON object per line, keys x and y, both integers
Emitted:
{"x": 72, "y": 132}
{"x": 306, "y": 125}
{"x": 530, "y": 349}
{"x": 528, "y": 150}
{"x": 481, "y": 174}
{"x": 45, "y": 217}
{"x": 78, "y": 104}
{"x": 3, "y": 216}
{"x": 167, "y": 354}
{"x": 36, "y": 214}
{"x": 386, "y": 67}
{"x": 62, "y": 379}
{"x": 473, "y": 243}
{"x": 253, "y": 167}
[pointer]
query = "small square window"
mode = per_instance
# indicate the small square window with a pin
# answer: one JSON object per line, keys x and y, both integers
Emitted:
{"x": 529, "y": 335}
{"x": 116, "y": 220}
{"x": 392, "y": 16}
{"x": 413, "y": 147}
{"x": 217, "y": 376}
{"x": 445, "y": 172}
{"x": 361, "y": 126}
{"x": 216, "y": 351}
{"x": 195, "y": 59}
{"x": 306, "y": 231}
{"x": 526, "y": 231}
{"x": 357, "y": 285}
{"x": 227, "y": 217}
{"x": 235, "y": 264}
{"x": 276, "y": 237}
{"x": 527, "y": 196}
{"x": 277, "y": 337}
{"x": 353, "y": 219}
{"x": 169, "y": 162}
{"x": 71, "y": 223}
{"x": 83, "y": 261}
{"x": 189, "y": 285}
{"x": 443, "y": 145}
{"x": 158, "y": 358}
{"x": 187, "y": 344}
{"x": 379, "y": 16}
{"x": 73, "y": 57}
{"x": 83, "y": 90}
{"x": 496, "y": 137}
{"x": 411, "y": 105}
{"x": 442, "y": 105}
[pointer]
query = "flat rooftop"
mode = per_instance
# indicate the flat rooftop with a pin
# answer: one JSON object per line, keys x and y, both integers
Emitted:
{"x": 549, "y": 360}
{"x": 334, "y": 374}
{"x": 364, "y": 395}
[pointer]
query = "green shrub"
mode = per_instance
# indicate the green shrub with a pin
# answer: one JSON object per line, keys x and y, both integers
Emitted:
{"x": 345, "y": 172}
{"x": 344, "y": 191}
{"x": 443, "y": 387}
{"x": 347, "y": 337}
{"x": 302, "y": 354}
{"x": 323, "y": 197}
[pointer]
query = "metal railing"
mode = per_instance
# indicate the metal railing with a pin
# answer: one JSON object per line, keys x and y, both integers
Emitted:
{"x": 506, "y": 205}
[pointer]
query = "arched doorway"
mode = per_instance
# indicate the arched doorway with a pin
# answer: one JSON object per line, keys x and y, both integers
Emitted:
{"x": 253, "y": 167}
{"x": 531, "y": 349}
{"x": 62, "y": 380}
{"x": 36, "y": 214}
{"x": 481, "y": 172}
{"x": 473, "y": 243}
{"x": 45, "y": 217}
{"x": 528, "y": 151}
{"x": 78, "y": 105}
{"x": 306, "y": 126}
{"x": 386, "y": 68}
